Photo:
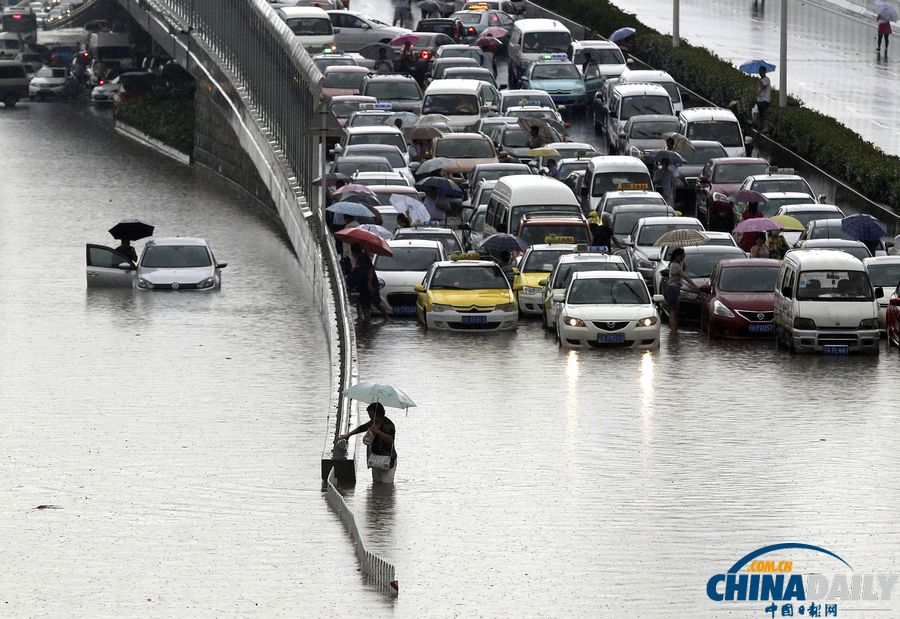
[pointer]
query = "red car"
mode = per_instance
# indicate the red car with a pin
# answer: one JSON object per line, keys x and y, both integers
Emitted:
{"x": 892, "y": 319}
{"x": 720, "y": 178}
{"x": 739, "y": 301}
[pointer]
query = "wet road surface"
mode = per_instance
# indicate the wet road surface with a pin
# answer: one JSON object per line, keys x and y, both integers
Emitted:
{"x": 180, "y": 434}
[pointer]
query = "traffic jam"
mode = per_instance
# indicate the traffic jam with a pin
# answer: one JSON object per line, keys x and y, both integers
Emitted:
{"x": 458, "y": 198}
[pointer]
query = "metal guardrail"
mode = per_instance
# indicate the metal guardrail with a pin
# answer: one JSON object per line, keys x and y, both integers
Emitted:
{"x": 378, "y": 569}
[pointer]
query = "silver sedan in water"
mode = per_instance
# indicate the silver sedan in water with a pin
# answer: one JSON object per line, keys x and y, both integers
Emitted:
{"x": 179, "y": 263}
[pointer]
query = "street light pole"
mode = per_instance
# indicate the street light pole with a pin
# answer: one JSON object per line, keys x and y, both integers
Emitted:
{"x": 782, "y": 88}
{"x": 676, "y": 35}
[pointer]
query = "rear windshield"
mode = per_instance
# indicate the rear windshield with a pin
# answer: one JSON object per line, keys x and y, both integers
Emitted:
{"x": 725, "y": 132}
{"x": 834, "y": 286}
{"x": 343, "y": 109}
{"x": 394, "y": 157}
{"x": 529, "y": 99}
{"x": 310, "y": 26}
{"x": 515, "y": 138}
{"x": 600, "y": 56}
{"x": 451, "y": 105}
{"x": 608, "y": 291}
{"x": 468, "y": 18}
{"x": 770, "y": 207}
{"x": 175, "y": 257}
{"x": 651, "y": 233}
{"x": 469, "y": 278}
{"x": 652, "y": 130}
{"x": 624, "y": 222}
{"x": 886, "y": 275}
{"x": 408, "y": 259}
{"x": 639, "y": 105}
{"x": 461, "y": 52}
{"x": 543, "y": 261}
{"x": 555, "y": 71}
{"x": 701, "y": 154}
{"x": 650, "y": 199}
{"x": 394, "y": 139}
{"x": 737, "y": 172}
{"x": 351, "y": 167}
{"x": 518, "y": 212}
{"x": 702, "y": 265}
{"x": 449, "y": 241}
{"x": 748, "y": 279}
{"x": 493, "y": 175}
{"x": 344, "y": 80}
{"x": 804, "y": 217}
{"x": 393, "y": 91}
{"x": 567, "y": 168}
{"x": 534, "y": 42}
{"x": 787, "y": 185}
{"x": 612, "y": 181}
{"x": 49, "y": 72}
{"x": 470, "y": 149}
{"x": 537, "y": 233}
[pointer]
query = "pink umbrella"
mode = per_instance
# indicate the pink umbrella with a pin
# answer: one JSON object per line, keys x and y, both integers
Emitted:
{"x": 757, "y": 224}
{"x": 494, "y": 31}
{"x": 489, "y": 42}
{"x": 401, "y": 40}
{"x": 355, "y": 187}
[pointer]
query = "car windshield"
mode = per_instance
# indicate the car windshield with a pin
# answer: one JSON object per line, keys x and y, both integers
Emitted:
{"x": 394, "y": 139}
{"x": 361, "y": 165}
{"x": 341, "y": 79}
{"x": 652, "y": 130}
{"x": 725, "y": 132}
{"x": 393, "y": 90}
{"x": 804, "y": 217}
{"x": 748, "y": 279}
{"x": 885, "y": 275}
{"x": 829, "y": 232}
{"x": 449, "y": 241}
{"x": 475, "y": 74}
{"x": 623, "y": 222}
{"x": 645, "y": 199}
{"x": 461, "y": 52}
{"x": 608, "y": 291}
{"x": 537, "y": 233}
{"x": 857, "y": 251}
{"x": 546, "y": 42}
{"x": 469, "y": 278}
{"x": 468, "y": 18}
{"x": 381, "y": 180}
{"x": 175, "y": 257}
{"x": 701, "y": 154}
{"x": 310, "y": 26}
{"x": 737, "y": 172}
{"x": 555, "y": 71}
{"x": 565, "y": 271}
{"x": 484, "y": 196}
{"x": 788, "y": 185}
{"x": 542, "y": 113}
{"x": 343, "y": 109}
{"x": 543, "y": 261}
{"x": 370, "y": 120}
{"x": 518, "y": 212}
{"x": 650, "y": 234}
{"x": 523, "y": 100}
{"x": 334, "y": 61}
{"x": 388, "y": 219}
{"x": 834, "y": 286}
{"x": 451, "y": 105}
{"x": 498, "y": 173}
{"x": 394, "y": 158}
{"x": 611, "y": 181}
{"x": 567, "y": 168}
{"x": 638, "y": 105}
{"x": 408, "y": 259}
{"x": 50, "y": 72}
{"x": 702, "y": 264}
{"x": 514, "y": 137}
{"x": 600, "y": 56}
{"x": 467, "y": 149}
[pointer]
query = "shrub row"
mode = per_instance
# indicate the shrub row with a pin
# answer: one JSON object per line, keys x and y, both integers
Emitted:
{"x": 814, "y": 136}
{"x": 165, "y": 116}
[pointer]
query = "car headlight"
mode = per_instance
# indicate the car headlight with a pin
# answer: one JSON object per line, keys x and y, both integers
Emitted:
{"x": 531, "y": 290}
{"x": 649, "y": 321}
{"x": 209, "y": 282}
{"x": 437, "y": 307}
{"x": 380, "y": 283}
{"x": 143, "y": 283}
{"x": 719, "y": 197}
{"x": 574, "y": 322}
{"x": 868, "y": 323}
{"x": 719, "y": 309}
{"x": 506, "y": 307}
{"x": 804, "y": 323}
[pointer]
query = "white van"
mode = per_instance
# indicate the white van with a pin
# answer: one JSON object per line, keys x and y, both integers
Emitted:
{"x": 530, "y": 40}
{"x": 824, "y": 302}
{"x": 613, "y": 173}
{"x": 518, "y": 194}
{"x": 662, "y": 78}
{"x": 716, "y": 124}
{"x": 461, "y": 101}
{"x": 10, "y": 45}
{"x": 311, "y": 25}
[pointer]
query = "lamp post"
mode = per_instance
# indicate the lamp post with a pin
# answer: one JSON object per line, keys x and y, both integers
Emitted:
{"x": 782, "y": 87}
{"x": 676, "y": 36}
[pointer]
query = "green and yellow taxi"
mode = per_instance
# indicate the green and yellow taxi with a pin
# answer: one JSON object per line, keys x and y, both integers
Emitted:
{"x": 534, "y": 267}
{"x": 466, "y": 294}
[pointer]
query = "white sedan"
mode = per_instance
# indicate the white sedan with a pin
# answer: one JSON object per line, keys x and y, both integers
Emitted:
{"x": 179, "y": 263}
{"x": 398, "y": 275}
{"x": 607, "y": 309}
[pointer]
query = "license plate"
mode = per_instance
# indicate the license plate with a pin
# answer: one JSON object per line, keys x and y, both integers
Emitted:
{"x": 836, "y": 350}
{"x": 404, "y": 309}
{"x": 611, "y": 338}
{"x": 764, "y": 328}
{"x": 474, "y": 320}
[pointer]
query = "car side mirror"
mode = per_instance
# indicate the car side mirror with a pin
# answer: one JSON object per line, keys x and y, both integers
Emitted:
{"x": 629, "y": 61}
{"x": 502, "y": 87}
{"x": 559, "y": 297}
{"x": 126, "y": 266}
{"x": 336, "y": 30}
{"x": 748, "y": 140}
{"x": 895, "y": 302}
{"x": 542, "y": 283}
{"x": 419, "y": 288}
{"x": 338, "y": 149}
{"x": 822, "y": 198}
{"x": 879, "y": 292}
{"x": 622, "y": 135}
{"x": 465, "y": 227}
{"x": 485, "y": 109}
{"x": 515, "y": 271}
{"x": 517, "y": 287}
{"x": 221, "y": 265}
{"x": 658, "y": 298}
{"x": 705, "y": 288}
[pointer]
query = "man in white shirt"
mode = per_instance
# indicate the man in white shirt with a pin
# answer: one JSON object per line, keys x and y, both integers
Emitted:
{"x": 763, "y": 97}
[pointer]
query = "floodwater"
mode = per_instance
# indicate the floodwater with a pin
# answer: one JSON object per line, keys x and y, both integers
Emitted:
{"x": 179, "y": 434}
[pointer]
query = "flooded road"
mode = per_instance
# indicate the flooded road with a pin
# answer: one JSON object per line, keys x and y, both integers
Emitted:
{"x": 179, "y": 434}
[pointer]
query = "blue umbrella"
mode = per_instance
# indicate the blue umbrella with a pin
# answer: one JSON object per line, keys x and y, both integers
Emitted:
{"x": 408, "y": 204}
{"x": 863, "y": 227}
{"x": 754, "y": 65}
{"x": 503, "y": 242}
{"x": 445, "y": 186}
{"x": 621, "y": 33}
{"x": 386, "y": 395}
{"x": 353, "y": 209}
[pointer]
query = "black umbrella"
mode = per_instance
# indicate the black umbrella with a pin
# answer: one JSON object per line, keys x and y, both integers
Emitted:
{"x": 503, "y": 242}
{"x": 372, "y": 51}
{"x": 543, "y": 127}
{"x": 131, "y": 230}
{"x": 444, "y": 186}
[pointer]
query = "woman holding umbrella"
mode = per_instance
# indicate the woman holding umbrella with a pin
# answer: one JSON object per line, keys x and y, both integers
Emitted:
{"x": 380, "y": 434}
{"x": 364, "y": 281}
{"x": 129, "y": 230}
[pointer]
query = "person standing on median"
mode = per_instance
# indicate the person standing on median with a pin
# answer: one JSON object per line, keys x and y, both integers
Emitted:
{"x": 380, "y": 434}
{"x": 763, "y": 98}
{"x": 884, "y": 31}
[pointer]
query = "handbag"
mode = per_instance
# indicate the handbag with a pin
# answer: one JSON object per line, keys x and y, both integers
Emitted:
{"x": 369, "y": 438}
{"x": 382, "y": 463}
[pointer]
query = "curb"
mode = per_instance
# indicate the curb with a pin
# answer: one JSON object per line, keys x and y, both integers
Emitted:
{"x": 142, "y": 138}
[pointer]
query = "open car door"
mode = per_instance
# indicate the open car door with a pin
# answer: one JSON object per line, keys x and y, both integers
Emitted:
{"x": 107, "y": 268}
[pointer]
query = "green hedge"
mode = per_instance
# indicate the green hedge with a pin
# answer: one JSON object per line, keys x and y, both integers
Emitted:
{"x": 814, "y": 136}
{"x": 165, "y": 116}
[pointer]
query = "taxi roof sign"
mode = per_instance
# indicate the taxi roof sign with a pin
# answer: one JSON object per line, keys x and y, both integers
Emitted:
{"x": 478, "y": 6}
{"x": 557, "y": 239}
{"x": 556, "y": 56}
{"x": 458, "y": 255}
{"x": 382, "y": 106}
{"x": 632, "y": 186}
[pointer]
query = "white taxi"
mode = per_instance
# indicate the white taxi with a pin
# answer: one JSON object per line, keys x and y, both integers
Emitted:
{"x": 399, "y": 274}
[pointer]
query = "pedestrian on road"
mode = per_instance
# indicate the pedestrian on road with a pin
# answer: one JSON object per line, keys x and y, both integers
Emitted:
{"x": 677, "y": 277}
{"x": 407, "y": 59}
{"x": 364, "y": 282}
{"x": 535, "y": 140}
{"x": 380, "y": 440}
{"x": 436, "y": 204}
{"x": 884, "y": 31}
{"x": 763, "y": 98}
{"x": 588, "y": 61}
{"x": 383, "y": 66}
{"x": 760, "y": 250}
{"x": 665, "y": 180}
{"x": 748, "y": 239}
{"x": 552, "y": 169}
{"x": 602, "y": 232}
{"x": 776, "y": 245}
{"x": 126, "y": 249}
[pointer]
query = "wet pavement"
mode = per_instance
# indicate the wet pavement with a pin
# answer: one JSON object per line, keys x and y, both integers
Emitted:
{"x": 179, "y": 434}
{"x": 832, "y": 65}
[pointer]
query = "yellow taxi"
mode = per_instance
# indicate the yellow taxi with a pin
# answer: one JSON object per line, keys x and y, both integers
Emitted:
{"x": 534, "y": 267}
{"x": 466, "y": 294}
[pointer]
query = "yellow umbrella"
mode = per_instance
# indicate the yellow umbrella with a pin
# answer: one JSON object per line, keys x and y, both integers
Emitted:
{"x": 543, "y": 152}
{"x": 789, "y": 223}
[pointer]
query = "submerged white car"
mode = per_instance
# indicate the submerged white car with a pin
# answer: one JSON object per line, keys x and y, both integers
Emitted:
{"x": 179, "y": 263}
{"x": 398, "y": 275}
{"x": 607, "y": 309}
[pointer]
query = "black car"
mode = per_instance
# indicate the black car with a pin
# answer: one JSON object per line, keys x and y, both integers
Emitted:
{"x": 450, "y": 26}
{"x": 423, "y": 50}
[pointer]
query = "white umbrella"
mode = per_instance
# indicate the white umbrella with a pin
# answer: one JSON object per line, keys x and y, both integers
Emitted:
{"x": 384, "y": 394}
{"x": 406, "y": 204}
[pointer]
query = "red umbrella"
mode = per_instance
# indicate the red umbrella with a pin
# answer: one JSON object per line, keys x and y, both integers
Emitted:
{"x": 495, "y": 31}
{"x": 355, "y": 187}
{"x": 757, "y": 224}
{"x": 370, "y": 242}
{"x": 490, "y": 43}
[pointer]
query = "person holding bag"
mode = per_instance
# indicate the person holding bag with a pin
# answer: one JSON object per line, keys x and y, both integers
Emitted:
{"x": 379, "y": 440}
